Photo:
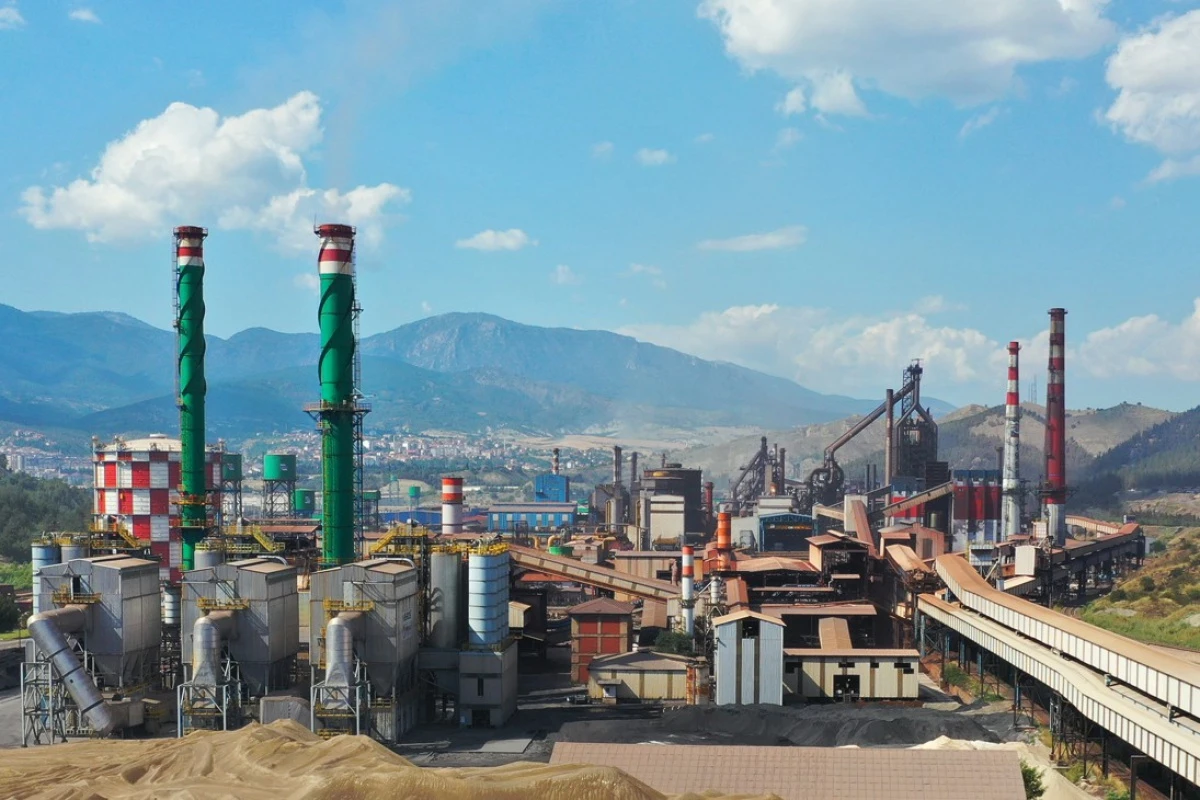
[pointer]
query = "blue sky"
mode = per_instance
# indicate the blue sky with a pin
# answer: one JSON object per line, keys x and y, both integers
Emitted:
{"x": 822, "y": 191}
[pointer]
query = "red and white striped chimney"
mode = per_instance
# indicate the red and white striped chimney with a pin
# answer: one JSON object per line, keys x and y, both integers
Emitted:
{"x": 1010, "y": 510}
{"x": 452, "y": 503}
{"x": 1055, "y": 490}
{"x": 688, "y": 586}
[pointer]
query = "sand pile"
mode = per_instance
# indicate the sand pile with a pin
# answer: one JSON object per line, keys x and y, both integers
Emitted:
{"x": 1037, "y": 755}
{"x": 284, "y": 759}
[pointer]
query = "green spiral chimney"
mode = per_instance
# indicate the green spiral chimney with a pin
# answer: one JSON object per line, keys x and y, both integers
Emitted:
{"x": 189, "y": 294}
{"x": 338, "y": 407}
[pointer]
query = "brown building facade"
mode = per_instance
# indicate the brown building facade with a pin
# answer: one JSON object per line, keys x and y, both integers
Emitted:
{"x": 599, "y": 627}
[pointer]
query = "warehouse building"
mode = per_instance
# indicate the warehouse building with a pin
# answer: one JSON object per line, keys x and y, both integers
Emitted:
{"x": 748, "y": 659}
{"x": 599, "y": 627}
{"x": 520, "y": 517}
{"x": 646, "y": 676}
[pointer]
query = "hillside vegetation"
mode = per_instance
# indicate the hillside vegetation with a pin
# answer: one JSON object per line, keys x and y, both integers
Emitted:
{"x": 1159, "y": 604}
{"x": 29, "y": 506}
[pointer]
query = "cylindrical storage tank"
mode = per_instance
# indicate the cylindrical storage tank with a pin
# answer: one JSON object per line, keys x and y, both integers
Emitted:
{"x": 44, "y": 553}
{"x": 487, "y": 598}
{"x": 75, "y": 547}
{"x": 231, "y": 467}
{"x": 171, "y": 596}
{"x": 445, "y": 571}
{"x": 279, "y": 467}
{"x": 304, "y": 502}
{"x": 207, "y": 558}
{"x": 414, "y": 495}
{"x": 562, "y": 550}
{"x": 372, "y": 495}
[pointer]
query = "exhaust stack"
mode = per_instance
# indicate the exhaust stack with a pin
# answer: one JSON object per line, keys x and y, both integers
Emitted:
{"x": 1010, "y": 511}
{"x": 1056, "y": 431}
{"x": 452, "y": 503}
{"x": 554, "y": 461}
{"x": 688, "y": 585}
{"x": 189, "y": 323}
{"x": 338, "y": 409}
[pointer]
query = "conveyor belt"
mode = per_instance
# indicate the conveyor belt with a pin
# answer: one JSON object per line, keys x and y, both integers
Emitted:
{"x": 593, "y": 575}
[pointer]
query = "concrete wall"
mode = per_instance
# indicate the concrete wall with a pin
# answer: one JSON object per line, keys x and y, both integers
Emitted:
{"x": 487, "y": 682}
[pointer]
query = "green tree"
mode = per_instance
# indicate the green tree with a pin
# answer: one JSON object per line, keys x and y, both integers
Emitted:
{"x": 1032, "y": 776}
{"x": 673, "y": 642}
{"x": 10, "y": 615}
{"x": 29, "y": 506}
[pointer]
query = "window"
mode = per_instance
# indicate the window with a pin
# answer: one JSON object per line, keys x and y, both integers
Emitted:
{"x": 479, "y": 687}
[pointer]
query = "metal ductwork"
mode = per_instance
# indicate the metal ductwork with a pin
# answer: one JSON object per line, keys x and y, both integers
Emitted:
{"x": 208, "y": 634}
{"x": 340, "y": 634}
{"x": 48, "y": 630}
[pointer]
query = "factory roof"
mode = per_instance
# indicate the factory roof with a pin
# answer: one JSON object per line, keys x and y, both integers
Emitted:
{"x": 829, "y": 538}
{"x": 736, "y": 593}
{"x": 641, "y": 661}
{"x": 737, "y": 616}
{"x": 775, "y": 564}
{"x": 793, "y": 773}
{"x": 847, "y": 610}
{"x": 834, "y": 633}
{"x": 601, "y": 605}
{"x": 532, "y": 508}
{"x": 648, "y": 554}
{"x": 847, "y": 652}
{"x": 153, "y": 442}
{"x": 264, "y": 566}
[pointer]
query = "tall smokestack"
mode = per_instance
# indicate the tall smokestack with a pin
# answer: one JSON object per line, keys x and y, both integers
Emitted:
{"x": 890, "y": 434}
{"x": 783, "y": 470}
{"x": 452, "y": 503}
{"x": 708, "y": 502}
{"x": 189, "y": 295}
{"x": 335, "y": 264}
{"x": 634, "y": 478}
{"x": 617, "y": 464}
{"x": 688, "y": 585}
{"x": 554, "y": 461}
{"x": 1056, "y": 431}
{"x": 1010, "y": 511}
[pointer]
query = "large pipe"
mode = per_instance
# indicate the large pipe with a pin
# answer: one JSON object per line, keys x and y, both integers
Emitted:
{"x": 688, "y": 588}
{"x": 189, "y": 293}
{"x": 335, "y": 264}
{"x": 724, "y": 532}
{"x": 1010, "y": 511}
{"x": 208, "y": 634}
{"x": 340, "y": 634}
{"x": 1056, "y": 431}
{"x": 48, "y": 631}
{"x": 889, "y": 445}
{"x": 452, "y": 504}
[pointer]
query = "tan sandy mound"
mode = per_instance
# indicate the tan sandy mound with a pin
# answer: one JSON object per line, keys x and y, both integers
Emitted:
{"x": 284, "y": 759}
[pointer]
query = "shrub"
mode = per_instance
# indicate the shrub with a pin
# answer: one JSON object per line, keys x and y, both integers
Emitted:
{"x": 10, "y": 615}
{"x": 1032, "y": 776}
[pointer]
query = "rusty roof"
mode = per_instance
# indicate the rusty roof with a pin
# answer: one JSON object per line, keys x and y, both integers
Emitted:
{"x": 601, "y": 605}
{"x": 775, "y": 564}
{"x": 640, "y": 661}
{"x": 830, "y": 610}
{"x": 746, "y": 614}
{"x": 834, "y": 633}
{"x": 800, "y": 773}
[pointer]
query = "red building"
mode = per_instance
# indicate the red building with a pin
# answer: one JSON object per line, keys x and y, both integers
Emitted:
{"x": 599, "y": 627}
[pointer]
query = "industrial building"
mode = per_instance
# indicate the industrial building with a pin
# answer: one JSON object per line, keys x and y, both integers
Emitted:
{"x": 646, "y": 677}
{"x": 598, "y": 628}
{"x": 530, "y": 517}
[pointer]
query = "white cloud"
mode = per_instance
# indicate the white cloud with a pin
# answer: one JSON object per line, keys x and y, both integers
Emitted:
{"x": 936, "y": 304}
{"x": 792, "y": 103}
{"x": 653, "y": 158}
{"x": 1157, "y": 75}
{"x": 791, "y": 236}
{"x": 968, "y": 50}
{"x": 84, "y": 15}
{"x": 565, "y": 276}
{"x": 189, "y": 164}
{"x": 704, "y": 138}
{"x": 490, "y": 240}
{"x": 1117, "y": 203}
{"x": 426, "y": 308}
{"x": 826, "y": 349}
{"x": 1142, "y": 347}
{"x": 787, "y": 137}
{"x": 979, "y": 122}
{"x": 307, "y": 281}
{"x": 602, "y": 149}
{"x": 834, "y": 93}
{"x": 649, "y": 271}
{"x": 10, "y": 18}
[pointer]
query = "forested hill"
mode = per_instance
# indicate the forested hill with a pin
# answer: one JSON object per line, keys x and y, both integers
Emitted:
{"x": 29, "y": 506}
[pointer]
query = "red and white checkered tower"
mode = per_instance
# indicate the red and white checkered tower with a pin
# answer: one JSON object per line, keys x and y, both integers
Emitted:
{"x": 1010, "y": 510}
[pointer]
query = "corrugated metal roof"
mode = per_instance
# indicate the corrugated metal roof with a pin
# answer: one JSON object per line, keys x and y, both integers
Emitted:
{"x": 601, "y": 605}
{"x": 775, "y": 564}
{"x": 744, "y": 614}
{"x": 834, "y": 633}
{"x": 848, "y": 610}
{"x": 800, "y": 773}
{"x": 641, "y": 661}
{"x": 849, "y": 652}
{"x": 654, "y": 614}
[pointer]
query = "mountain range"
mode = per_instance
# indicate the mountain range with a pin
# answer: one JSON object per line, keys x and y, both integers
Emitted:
{"x": 108, "y": 373}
